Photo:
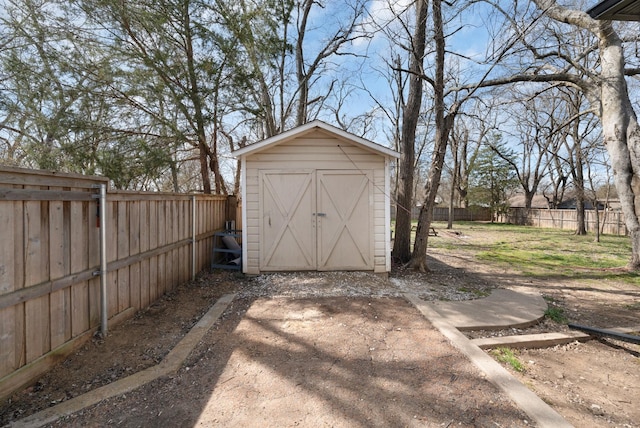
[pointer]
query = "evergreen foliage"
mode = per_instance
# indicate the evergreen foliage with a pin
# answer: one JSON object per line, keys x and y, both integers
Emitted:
{"x": 493, "y": 178}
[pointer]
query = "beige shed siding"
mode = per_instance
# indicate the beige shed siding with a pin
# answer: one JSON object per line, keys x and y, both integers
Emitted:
{"x": 378, "y": 216}
{"x": 316, "y": 151}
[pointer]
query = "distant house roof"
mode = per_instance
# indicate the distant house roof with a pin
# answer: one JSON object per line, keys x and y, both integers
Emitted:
{"x": 613, "y": 204}
{"x": 572, "y": 204}
{"x": 312, "y": 126}
{"x": 616, "y": 10}
{"x": 538, "y": 201}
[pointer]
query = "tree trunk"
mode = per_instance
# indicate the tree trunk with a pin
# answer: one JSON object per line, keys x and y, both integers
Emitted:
{"x": 194, "y": 94}
{"x": 581, "y": 228}
{"x": 173, "y": 165}
{"x": 238, "y": 174}
{"x": 597, "y": 229}
{"x": 443, "y": 127}
{"x": 218, "y": 178}
{"x": 454, "y": 184}
{"x": 411, "y": 114}
{"x": 621, "y": 132}
{"x": 303, "y": 82}
{"x": 528, "y": 198}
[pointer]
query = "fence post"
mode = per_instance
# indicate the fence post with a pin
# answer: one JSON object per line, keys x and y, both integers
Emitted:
{"x": 193, "y": 237}
{"x": 104, "y": 301}
{"x": 618, "y": 223}
{"x": 539, "y": 219}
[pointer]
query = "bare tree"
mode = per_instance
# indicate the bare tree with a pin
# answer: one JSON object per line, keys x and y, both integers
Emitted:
{"x": 443, "y": 125}
{"x": 604, "y": 87}
{"x": 410, "y": 116}
{"x": 596, "y": 164}
{"x": 578, "y": 129}
{"x": 531, "y": 125}
{"x": 332, "y": 45}
{"x": 465, "y": 142}
{"x": 557, "y": 173}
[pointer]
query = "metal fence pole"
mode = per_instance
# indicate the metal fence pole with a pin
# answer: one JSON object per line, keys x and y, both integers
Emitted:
{"x": 103, "y": 262}
{"x": 193, "y": 237}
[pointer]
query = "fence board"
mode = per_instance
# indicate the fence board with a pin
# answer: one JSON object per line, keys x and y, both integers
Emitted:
{"x": 145, "y": 300}
{"x": 134, "y": 249}
{"x": 19, "y": 275}
{"x": 172, "y": 234}
{"x": 153, "y": 278}
{"x": 60, "y": 317}
{"x": 42, "y": 195}
{"x": 153, "y": 243}
{"x": 79, "y": 246}
{"x": 30, "y": 177}
{"x": 37, "y": 335}
{"x": 185, "y": 259}
{"x": 7, "y": 276}
{"x": 162, "y": 232}
{"x": 611, "y": 222}
{"x": 59, "y": 300}
{"x": 37, "y": 329}
{"x": 7, "y": 340}
{"x": 123, "y": 252}
{"x": 7, "y": 249}
{"x": 79, "y": 307}
{"x": 18, "y": 244}
{"x": 201, "y": 221}
{"x": 161, "y": 276}
{"x": 32, "y": 243}
{"x": 153, "y": 225}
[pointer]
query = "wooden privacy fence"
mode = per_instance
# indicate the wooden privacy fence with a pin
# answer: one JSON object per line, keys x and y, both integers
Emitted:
{"x": 611, "y": 222}
{"x": 459, "y": 214}
{"x": 50, "y": 295}
{"x": 462, "y": 214}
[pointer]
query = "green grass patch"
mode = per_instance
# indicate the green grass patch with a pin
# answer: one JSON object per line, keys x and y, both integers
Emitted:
{"x": 553, "y": 250}
{"x": 508, "y": 356}
{"x": 538, "y": 252}
{"x": 549, "y": 252}
{"x": 556, "y": 315}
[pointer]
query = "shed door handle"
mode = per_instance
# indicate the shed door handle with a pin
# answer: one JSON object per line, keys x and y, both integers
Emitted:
{"x": 321, "y": 214}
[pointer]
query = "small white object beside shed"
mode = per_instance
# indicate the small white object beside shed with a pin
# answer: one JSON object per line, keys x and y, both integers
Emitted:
{"x": 316, "y": 198}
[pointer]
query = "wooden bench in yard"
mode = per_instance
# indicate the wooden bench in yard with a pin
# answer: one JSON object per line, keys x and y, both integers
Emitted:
{"x": 432, "y": 232}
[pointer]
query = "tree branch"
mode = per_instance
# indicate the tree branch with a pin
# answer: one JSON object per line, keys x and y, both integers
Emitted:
{"x": 556, "y": 77}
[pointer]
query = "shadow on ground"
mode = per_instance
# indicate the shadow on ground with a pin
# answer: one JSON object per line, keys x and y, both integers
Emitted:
{"x": 317, "y": 362}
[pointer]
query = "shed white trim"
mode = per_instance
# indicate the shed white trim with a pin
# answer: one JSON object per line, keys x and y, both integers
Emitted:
{"x": 243, "y": 193}
{"x": 387, "y": 213}
{"x": 309, "y": 127}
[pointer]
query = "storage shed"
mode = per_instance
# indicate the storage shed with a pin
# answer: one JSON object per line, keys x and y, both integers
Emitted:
{"x": 316, "y": 198}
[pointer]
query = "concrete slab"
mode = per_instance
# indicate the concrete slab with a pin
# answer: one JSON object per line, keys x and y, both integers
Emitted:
{"x": 502, "y": 309}
{"x": 542, "y": 340}
{"x": 539, "y": 411}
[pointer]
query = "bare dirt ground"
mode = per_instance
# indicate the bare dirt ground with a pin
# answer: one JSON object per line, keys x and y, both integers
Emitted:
{"x": 344, "y": 349}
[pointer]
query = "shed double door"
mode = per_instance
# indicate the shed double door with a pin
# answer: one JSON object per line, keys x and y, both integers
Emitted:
{"x": 316, "y": 220}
